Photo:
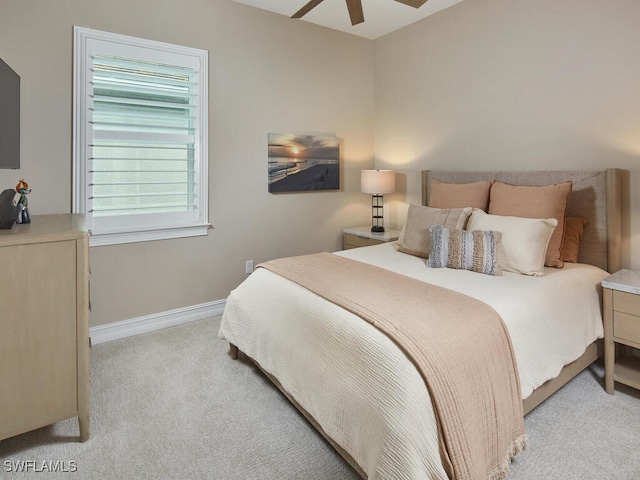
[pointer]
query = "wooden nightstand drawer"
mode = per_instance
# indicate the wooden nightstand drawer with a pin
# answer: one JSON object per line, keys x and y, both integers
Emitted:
{"x": 626, "y": 302}
{"x": 354, "y": 241}
{"x": 355, "y": 237}
{"x": 626, "y": 328}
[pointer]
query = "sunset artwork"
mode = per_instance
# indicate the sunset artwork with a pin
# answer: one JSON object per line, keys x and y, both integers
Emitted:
{"x": 300, "y": 163}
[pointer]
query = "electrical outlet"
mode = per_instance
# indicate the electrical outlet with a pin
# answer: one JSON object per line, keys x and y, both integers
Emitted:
{"x": 249, "y": 266}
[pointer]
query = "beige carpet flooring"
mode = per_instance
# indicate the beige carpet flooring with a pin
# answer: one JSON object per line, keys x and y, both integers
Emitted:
{"x": 172, "y": 405}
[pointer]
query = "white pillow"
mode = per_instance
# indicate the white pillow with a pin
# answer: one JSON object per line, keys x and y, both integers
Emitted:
{"x": 525, "y": 240}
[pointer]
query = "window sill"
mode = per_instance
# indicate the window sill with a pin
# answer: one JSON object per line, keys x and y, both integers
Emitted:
{"x": 100, "y": 240}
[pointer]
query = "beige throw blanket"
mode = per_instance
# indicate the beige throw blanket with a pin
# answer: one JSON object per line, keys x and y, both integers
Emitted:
{"x": 459, "y": 345}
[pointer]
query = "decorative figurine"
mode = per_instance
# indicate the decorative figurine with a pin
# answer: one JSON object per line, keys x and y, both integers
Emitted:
{"x": 23, "y": 189}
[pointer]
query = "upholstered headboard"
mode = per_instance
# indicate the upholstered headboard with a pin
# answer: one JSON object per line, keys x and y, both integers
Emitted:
{"x": 596, "y": 196}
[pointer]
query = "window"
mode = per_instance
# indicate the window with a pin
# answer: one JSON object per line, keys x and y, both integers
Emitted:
{"x": 140, "y": 138}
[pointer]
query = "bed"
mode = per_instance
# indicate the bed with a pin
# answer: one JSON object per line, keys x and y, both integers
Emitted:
{"x": 359, "y": 388}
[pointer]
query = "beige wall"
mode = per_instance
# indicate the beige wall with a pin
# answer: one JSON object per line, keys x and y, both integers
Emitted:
{"x": 486, "y": 84}
{"x": 522, "y": 85}
{"x": 267, "y": 74}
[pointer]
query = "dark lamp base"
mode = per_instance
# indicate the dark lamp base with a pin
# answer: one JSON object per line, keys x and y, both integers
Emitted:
{"x": 377, "y": 229}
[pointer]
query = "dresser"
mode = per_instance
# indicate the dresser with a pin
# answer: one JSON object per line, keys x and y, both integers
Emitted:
{"x": 621, "y": 309}
{"x": 44, "y": 332}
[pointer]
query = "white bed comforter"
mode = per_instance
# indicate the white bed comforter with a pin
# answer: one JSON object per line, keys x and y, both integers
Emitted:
{"x": 358, "y": 385}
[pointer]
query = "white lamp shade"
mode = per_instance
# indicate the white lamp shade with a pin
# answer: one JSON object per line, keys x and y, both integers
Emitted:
{"x": 378, "y": 182}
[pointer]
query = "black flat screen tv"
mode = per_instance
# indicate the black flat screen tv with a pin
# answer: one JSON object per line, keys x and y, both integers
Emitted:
{"x": 9, "y": 117}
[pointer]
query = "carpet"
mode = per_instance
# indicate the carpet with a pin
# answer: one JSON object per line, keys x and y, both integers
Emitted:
{"x": 172, "y": 404}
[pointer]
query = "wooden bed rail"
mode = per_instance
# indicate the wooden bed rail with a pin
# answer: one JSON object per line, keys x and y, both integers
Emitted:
{"x": 233, "y": 351}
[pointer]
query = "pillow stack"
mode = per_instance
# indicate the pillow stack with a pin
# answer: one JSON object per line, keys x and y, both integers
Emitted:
{"x": 519, "y": 228}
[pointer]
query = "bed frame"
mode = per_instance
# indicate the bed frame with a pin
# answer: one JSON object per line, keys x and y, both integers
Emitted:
{"x": 596, "y": 196}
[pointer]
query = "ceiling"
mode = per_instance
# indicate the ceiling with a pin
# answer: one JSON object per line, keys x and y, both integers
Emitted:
{"x": 380, "y": 16}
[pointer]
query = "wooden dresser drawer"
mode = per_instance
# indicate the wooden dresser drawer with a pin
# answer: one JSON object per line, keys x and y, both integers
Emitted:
{"x": 626, "y": 302}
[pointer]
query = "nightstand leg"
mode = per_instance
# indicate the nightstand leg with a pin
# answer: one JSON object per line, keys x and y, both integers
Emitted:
{"x": 609, "y": 361}
{"x": 609, "y": 345}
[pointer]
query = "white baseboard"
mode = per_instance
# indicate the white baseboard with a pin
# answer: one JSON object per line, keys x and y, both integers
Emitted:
{"x": 156, "y": 321}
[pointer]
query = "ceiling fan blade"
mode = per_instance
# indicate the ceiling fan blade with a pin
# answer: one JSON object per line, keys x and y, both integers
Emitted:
{"x": 306, "y": 9}
{"x": 355, "y": 11}
{"x": 413, "y": 3}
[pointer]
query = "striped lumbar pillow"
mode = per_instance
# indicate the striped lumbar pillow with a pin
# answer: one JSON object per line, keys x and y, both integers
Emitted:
{"x": 476, "y": 250}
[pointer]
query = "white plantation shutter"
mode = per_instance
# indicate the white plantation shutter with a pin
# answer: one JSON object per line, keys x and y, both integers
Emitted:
{"x": 140, "y": 158}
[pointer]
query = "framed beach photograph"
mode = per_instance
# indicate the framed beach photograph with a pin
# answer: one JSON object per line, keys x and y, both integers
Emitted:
{"x": 302, "y": 163}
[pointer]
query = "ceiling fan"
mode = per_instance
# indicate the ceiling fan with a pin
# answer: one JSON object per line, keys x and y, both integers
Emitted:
{"x": 354, "y": 7}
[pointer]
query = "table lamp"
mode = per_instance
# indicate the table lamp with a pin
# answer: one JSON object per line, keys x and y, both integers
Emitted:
{"x": 377, "y": 183}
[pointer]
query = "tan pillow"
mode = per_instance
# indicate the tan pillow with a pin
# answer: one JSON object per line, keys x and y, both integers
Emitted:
{"x": 528, "y": 201}
{"x": 524, "y": 240}
{"x": 459, "y": 195}
{"x": 415, "y": 238}
{"x": 573, "y": 230}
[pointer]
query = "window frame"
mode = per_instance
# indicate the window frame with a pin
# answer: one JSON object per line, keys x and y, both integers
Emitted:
{"x": 127, "y": 233}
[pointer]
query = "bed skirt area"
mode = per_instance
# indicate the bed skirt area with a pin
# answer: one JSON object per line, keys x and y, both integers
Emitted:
{"x": 593, "y": 352}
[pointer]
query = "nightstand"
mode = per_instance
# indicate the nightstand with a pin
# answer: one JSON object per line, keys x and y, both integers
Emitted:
{"x": 621, "y": 305}
{"x": 355, "y": 237}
